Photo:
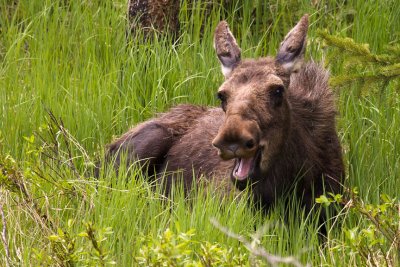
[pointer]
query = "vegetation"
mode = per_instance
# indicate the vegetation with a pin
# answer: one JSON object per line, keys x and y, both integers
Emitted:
{"x": 383, "y": 67}
{"x": 70, "y": 80}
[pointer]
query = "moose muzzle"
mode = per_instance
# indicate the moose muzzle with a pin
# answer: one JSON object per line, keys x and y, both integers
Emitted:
{"x": 237, "y": 138}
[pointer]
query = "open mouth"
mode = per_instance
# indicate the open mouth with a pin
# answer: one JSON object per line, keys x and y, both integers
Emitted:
{"x": 244, "y": 167}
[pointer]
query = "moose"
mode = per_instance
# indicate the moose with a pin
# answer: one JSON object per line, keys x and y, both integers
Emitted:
{"x": 275, "y": 128}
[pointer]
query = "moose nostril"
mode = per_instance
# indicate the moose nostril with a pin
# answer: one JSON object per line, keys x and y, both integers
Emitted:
{"x": 233, "y": 147}
{"x": 249, "y": 144}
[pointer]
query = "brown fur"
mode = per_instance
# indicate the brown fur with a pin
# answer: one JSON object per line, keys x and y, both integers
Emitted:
{"x": 276, "y": 112}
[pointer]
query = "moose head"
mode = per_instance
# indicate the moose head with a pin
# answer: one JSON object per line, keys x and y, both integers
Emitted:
{"x": 254, "y": 99}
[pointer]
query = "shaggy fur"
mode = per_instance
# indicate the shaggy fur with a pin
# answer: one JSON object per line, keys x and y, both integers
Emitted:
{"x": 275, "y": 129}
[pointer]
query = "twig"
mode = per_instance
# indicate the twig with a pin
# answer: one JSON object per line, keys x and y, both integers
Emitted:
{"x": 4, "y": 237}
{"x": 91, "y": 236}
{"x": 257, "y": 250}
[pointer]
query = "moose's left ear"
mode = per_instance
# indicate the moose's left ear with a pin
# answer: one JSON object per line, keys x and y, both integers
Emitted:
{"x": 291, "y": 51}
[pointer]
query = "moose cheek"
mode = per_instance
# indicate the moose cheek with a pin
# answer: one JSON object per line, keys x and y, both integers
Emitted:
{"x": 223, "y": 106}
{"x": 277, "y": 102}
{"x": 276, "y": 95}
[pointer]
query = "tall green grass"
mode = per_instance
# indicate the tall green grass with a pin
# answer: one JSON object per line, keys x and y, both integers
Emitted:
{"x": 74, "y": 58}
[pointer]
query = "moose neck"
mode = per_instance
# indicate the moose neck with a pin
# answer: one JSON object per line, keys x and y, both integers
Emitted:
{"x": 296, "y": 151}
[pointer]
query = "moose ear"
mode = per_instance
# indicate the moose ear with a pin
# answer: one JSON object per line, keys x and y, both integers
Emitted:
{"x": 291, "y": 51}
{"x": 227, "y": 50}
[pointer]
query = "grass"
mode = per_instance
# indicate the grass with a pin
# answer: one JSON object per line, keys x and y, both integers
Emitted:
{"x": 73, "y": 58}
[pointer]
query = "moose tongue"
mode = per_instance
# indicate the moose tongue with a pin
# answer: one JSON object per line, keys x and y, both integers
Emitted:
{"x": 243, "y": 168}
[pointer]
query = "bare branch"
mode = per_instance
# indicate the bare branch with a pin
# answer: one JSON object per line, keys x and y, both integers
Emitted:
{"x": 257, "y": 250}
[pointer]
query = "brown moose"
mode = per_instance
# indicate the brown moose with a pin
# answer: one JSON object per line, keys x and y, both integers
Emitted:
{"x": 275, "y": 128}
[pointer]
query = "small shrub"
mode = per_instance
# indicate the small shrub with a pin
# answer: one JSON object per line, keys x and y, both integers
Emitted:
{"x": 377, "y": 239}
{"x": 82, "y": 249}
{"x": 179, "y": 249}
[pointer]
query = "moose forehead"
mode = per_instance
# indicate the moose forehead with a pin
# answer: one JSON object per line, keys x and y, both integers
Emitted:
{"x": 255, "y": 75}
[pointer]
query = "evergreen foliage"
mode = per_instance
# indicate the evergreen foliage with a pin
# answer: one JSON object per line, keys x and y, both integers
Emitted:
{"x": 362, "y": 64}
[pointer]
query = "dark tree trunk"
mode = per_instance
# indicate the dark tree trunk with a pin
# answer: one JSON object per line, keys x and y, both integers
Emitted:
{"x": 154, "y": 16}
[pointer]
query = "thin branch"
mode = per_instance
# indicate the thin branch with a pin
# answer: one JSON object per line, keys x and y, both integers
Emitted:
{"x": 257, "y": 250}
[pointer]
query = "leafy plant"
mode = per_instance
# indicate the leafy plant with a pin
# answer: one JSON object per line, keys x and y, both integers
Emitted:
{"x": 82, "y": 249}
{"x": 179, "y": 249}
{"x": 377, "y": 239}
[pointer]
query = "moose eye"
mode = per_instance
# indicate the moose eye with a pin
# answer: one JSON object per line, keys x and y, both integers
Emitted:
{"x": 222, "y": 97}
{"x": 277, "y": 91}
{"x": 276, "y": 94}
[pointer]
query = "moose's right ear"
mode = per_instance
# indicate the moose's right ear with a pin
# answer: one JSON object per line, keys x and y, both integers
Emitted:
{"x": 225, "y": 45}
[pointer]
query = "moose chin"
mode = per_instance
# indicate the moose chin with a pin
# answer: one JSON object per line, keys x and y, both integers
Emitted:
{"x": 275, "y": 128}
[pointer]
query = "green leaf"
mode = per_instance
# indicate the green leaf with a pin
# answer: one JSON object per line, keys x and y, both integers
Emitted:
{"x": 60, "y": 232}
{"x": 54, "y": 238}
{"x": 70, "y": 223}
{"x": 352, "y": 234}
{"x": 83, "y": 234}
{"x": 385, "y": 198}
{"x": 338, "y": 198}
{"x": 323, "y": 200}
